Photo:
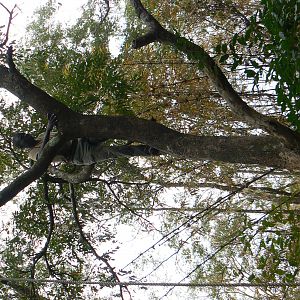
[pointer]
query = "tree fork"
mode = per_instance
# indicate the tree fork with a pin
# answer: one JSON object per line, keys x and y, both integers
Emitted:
{"x": 216, "y": 75}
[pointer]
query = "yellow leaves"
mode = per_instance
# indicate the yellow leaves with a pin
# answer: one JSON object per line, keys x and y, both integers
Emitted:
{"x": 100, "y": 49}
{"x": 151, "y": 5}
{"x": 45, "y": 66}
{"x": 66, "y": 70}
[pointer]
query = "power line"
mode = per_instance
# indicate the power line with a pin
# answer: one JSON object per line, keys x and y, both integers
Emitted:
{"x": 195, "y": 218}
{"x": 133, "y": 283}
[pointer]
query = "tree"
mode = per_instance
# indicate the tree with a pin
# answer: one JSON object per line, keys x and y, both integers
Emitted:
{"x": 268, "y": 151}
{"x": 275, "y": 33}
{"x": 278, "y": 149}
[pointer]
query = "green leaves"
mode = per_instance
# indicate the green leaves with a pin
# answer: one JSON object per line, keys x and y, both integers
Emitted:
{"x": 250, "y": 73}
{"x": 273, "y": 34}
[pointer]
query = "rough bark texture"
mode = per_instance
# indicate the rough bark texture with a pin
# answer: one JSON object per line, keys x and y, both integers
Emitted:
{"x": 19, "y": 86}
{"x": 279, "y": 150}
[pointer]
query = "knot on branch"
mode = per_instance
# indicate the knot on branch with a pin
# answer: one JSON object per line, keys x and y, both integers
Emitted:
{"x": 148, "y": 38}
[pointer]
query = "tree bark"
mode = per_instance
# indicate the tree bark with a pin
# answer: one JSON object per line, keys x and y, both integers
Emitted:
{"x": 280, "y": 150}
{"x": 260, "y": 150}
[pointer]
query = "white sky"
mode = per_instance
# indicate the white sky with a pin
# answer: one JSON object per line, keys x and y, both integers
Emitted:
{"x": 67, "y": 11}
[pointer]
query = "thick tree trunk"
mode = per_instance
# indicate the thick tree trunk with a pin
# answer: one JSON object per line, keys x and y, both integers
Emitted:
{"x": 260, "y": 150}
{"x": 279, "y": 150}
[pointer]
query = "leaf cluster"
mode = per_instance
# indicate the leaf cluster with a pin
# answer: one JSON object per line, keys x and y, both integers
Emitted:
{"x": 273, "y": 37}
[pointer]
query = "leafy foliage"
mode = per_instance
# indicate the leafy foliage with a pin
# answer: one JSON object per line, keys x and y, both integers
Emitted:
{"x": 222, "y": 237}
{"x": 275, "y": 244}
{"x": 273, "y": 36}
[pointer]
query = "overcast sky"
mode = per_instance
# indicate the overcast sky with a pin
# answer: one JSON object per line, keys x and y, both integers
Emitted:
{"x": 68, "y": 10}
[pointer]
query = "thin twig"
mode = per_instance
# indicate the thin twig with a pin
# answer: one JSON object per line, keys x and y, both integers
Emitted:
{"x": 11, "y": 17}
{"x": 87, "y": 242}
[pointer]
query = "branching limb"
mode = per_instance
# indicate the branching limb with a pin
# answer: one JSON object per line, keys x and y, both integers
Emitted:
{"x": 37, "y": 170}
{"x": 13, "y": 81}
{"x": 87, "y": 242}
{"x": 83, "y": 175}
{"x": 52, "y": 121}
{"x": 107, "y": 10}
{"x": 43, "y": 251}
{"x": 10, "y": 18}
{"x": 10, "y": 61}
{"x": 216, "y": 75}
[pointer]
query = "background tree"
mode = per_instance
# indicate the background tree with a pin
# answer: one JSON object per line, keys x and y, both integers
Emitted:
{"x": 74, "y": 65}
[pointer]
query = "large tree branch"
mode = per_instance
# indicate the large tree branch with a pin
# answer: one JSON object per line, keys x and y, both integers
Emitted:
{"x": 18, "y": 85}
{"x": 213, "y": 71}
{"x": 265, "y": 151}
{"x": 262, "y": 150}
{"x": 34, "y": 173}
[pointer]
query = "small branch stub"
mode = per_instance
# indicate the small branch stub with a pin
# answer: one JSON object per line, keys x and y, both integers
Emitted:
{"x": 145, "y": 40}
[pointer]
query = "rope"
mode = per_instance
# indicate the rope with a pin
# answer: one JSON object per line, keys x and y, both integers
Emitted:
{"x": 132, "y": 283}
